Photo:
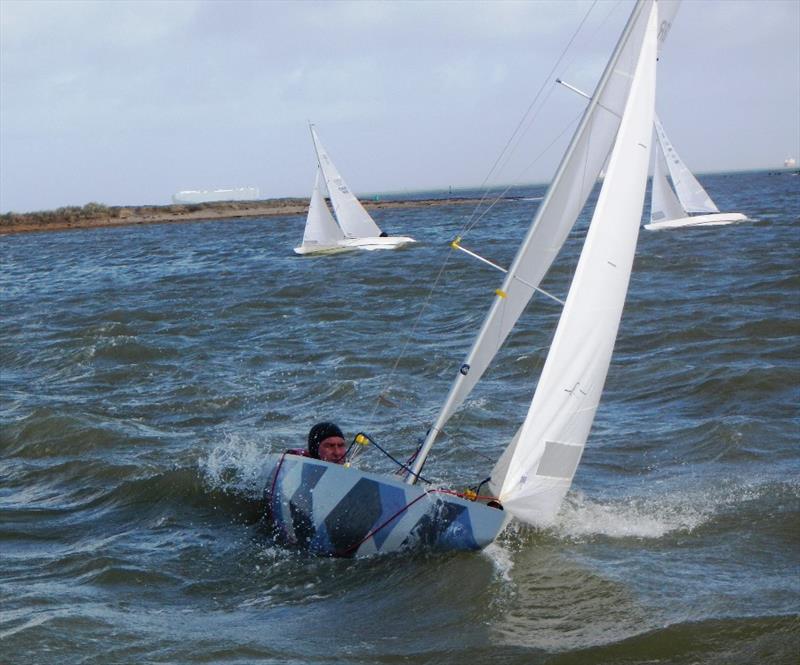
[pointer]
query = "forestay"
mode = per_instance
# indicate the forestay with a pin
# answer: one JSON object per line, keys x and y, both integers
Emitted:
{"x": 574, "y": 180}
{"x": 354, "y": 220}
{"x": 535, "y": 473}
{"x": 690, "y": 192}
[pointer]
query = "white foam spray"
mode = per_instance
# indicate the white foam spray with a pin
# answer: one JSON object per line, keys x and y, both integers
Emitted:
{"x": 631, "y": 517}
{"x": 500, "y": 558}
{"x": 237, "y": 464}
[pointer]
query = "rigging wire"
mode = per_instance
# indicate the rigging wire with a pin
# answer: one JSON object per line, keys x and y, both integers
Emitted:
{"x": 509, "y": 148}
{"x": 525, "y": 122}
{"x": 470, "y": 224}
{"x": 500, "y": 196}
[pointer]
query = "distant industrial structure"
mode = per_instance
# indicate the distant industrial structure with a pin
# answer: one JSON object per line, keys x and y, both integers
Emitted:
{"x": 207, "y": 195}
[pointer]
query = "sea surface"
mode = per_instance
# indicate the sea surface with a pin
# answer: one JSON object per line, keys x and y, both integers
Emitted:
{"x": 147, "y": 370}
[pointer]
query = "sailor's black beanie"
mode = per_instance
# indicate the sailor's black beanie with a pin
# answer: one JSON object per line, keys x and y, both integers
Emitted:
{"x": 319, "y": 433}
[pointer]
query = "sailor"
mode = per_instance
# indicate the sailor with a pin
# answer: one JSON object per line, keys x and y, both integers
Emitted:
{"x": 326, "y": 442}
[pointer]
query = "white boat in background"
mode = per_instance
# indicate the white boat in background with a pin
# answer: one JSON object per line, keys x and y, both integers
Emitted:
{"x": 672, "y": 209}
{"x": 350, "y": 226}
{"x": 339, "y": 510}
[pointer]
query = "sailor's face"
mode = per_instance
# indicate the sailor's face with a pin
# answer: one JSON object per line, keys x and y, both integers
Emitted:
{"x": 332, "y": 449}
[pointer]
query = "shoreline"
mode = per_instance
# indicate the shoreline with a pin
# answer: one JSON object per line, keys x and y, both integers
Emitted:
{"x": 94, "y": 215}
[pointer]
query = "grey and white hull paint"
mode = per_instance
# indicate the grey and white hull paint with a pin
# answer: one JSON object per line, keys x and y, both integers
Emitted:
{"x": 333, "y": 510}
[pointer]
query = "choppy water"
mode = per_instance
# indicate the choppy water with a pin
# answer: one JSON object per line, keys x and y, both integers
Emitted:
{"x": 146, "y": 371}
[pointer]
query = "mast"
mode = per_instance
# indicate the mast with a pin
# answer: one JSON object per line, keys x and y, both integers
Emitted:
{"x": 581, "y": 164}
{"x": 316, "y": 150}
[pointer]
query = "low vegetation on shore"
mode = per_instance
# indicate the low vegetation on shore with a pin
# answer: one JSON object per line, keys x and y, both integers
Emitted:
{"x": 97, "y": 214}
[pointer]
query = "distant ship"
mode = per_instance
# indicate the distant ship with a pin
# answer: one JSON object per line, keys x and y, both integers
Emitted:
{"x": 790, "y": 162}
{"x": 206, "y": 195}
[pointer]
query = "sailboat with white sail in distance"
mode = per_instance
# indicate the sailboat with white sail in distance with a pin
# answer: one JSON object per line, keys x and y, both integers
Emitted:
{"x": 350, "y": 226}
{"x": 339, "y": 510}
{"x": 672, "y": 209}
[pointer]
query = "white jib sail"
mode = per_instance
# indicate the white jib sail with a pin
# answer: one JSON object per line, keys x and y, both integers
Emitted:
{"x": 691, "y": 194}
{"x": 354, "y": 220}
{"x": 321, "y": 228}
{"x": 574, "y": 180}
{"x": 550, "y": 442}
{"x": 664, "y": 205}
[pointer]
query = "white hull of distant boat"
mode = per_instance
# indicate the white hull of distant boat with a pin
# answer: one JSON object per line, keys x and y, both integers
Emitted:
{"x": 716, "y": 219}
{"x": 368, "y": 244}
{"x": 313, "y": 248}
{"x": 350, "y": 226}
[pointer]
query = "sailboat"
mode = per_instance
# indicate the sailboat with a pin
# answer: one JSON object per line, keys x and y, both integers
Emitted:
{"x": 350, "y": 226}
{"x": 339, "y": 510}
{"x": 672, "y": 209}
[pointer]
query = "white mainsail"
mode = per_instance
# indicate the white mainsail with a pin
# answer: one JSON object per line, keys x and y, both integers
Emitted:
{"x": 354, "y": 220}
{"x": 321, "y": 228}
{"x": 532, "y": 480}
{"x": 690, "y": 192}
{"x": 574, "y": 180}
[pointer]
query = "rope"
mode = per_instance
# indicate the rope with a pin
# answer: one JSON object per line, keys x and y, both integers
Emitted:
{"x": 510, "y": 146}
{"x": 517, "y": 134}
{"x": 405, "y": 345}
{"x": 401, "y": 465}
{"x": 378, "y": 528}
{"x": 372, "y": 533}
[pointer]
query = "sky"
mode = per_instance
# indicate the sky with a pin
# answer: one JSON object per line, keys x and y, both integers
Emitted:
{"x": 126, "y": 103}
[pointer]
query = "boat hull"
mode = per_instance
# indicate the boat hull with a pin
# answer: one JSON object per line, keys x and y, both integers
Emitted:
{"x": 716, "y": 219}
{"x": 306, "y": 250}
{"x": 368, "y": 244}
{"x": 333, "y": 510}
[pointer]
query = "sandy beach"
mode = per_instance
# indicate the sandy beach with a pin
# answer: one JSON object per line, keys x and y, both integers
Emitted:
{"x": 95, "y": 215}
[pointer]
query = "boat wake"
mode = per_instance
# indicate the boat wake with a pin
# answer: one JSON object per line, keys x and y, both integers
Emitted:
{"x": 657, "y": 516}
{"x": 652, "y": 517}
